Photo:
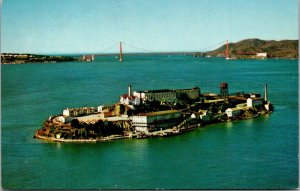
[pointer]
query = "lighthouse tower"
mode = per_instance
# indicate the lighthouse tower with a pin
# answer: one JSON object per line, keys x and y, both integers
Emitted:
{"x": 129, "y": 90}
{"x": 267, "y": 103}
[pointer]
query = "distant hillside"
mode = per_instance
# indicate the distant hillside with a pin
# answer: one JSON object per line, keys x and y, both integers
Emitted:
{"x": 249, "y": 47}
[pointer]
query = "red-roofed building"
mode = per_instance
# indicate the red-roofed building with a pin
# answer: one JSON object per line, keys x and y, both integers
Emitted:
{"x": 129, "y": 100}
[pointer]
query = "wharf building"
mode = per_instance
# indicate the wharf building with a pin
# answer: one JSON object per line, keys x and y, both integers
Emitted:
{"x": 153, "y": 121}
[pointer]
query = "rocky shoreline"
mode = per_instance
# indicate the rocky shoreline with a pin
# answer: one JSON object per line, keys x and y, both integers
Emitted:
{"x": 130, "y": 135}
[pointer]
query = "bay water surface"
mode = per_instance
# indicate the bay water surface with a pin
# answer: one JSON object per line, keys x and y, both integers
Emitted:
{"x": 260, "y": 153}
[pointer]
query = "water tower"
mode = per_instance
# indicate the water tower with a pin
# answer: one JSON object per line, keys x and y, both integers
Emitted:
{"x": 224, "y": 90}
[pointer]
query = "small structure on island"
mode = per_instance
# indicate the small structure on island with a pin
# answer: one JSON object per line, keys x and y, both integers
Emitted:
{"x": 224, "y": 90}
{"x": 66, "y": 112}
{"x": 61, "y": 119}
{"x": 254, "y": 102}
{"x": 147, "y": 122}
{"x": 88, "y": 58}
{"x": 129, "y": 99}
{"x": 75, "y": 112}
{"x": 261, "y": 55}
{"x": 267, "y": 103}
{"x": 58, "y": 135}
{"x": 233, "y": 112}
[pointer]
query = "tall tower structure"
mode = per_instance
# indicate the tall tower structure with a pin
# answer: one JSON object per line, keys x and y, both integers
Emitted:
{"x": 121, "y": 55}
{"x": 224, "y": 90}
{"x": 129, "y": 90}
{"x": 266, "y": 92}
{"x": 227, "y": 51}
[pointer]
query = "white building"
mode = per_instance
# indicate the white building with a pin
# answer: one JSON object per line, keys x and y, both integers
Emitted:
{"x": 146, "y": 122}
{"x": 105, "y": 108}
{"x": 99, "y": 108}
{"x": 61, "y": 119}
{"x": 267, "y": 106}
{"x": 140, "y": 95}
{"x": 58, "y": 136}
{"x": 261, "y": 55}
{"x": 254, "y": 102}
{"x": 233, "y": 112}
{"x": 129, "y": 100}
{"x": 66, "y": 112}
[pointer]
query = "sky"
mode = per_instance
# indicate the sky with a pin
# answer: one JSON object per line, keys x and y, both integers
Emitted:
{"x": 97, "y": 26}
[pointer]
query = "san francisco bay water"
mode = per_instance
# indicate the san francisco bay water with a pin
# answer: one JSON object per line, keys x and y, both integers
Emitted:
{"x": 260, "y": 153}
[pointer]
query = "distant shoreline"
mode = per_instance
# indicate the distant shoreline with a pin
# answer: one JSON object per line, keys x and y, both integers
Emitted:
{"x": 12, "y": 58}
{"x": 42, "y": 59}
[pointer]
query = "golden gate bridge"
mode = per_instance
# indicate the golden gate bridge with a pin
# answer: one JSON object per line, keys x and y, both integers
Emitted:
{"x": 120, "y": 45}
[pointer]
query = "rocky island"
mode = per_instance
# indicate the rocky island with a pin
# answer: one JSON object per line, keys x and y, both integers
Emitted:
{"x": 153, "y": 113}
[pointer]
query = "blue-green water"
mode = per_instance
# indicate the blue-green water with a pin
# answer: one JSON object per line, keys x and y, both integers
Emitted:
{"x": 260, "y": 153}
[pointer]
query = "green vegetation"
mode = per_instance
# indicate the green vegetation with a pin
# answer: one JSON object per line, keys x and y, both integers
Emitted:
{"x": 83, "y": 130}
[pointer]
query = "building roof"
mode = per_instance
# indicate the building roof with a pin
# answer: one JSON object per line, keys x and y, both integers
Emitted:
{"x": 158, "y": 91}
{"x": 126, "y": 96}
{"x": 158, "y": 112}
{"x": 214, "y": 101}
{"x": 255, "y": 98}
{"x": 194, "y": 88}
{"x": 234, "y": 109}
{"x": 167, "y": 90}
{"x": 238, "y": 98}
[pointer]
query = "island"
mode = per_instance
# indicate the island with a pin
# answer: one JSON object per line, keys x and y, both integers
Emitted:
{"x": 12, "y": 58}
{"x": 153, "y": 113}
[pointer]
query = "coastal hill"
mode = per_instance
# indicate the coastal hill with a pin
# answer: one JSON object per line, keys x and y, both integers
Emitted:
{"x": 248, "y": 48}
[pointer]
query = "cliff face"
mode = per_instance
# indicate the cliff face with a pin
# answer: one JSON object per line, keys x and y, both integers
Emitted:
{"x": 248, "y": 47}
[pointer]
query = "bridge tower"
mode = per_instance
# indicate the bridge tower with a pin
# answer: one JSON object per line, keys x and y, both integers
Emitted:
{"x": 227, "y": 51}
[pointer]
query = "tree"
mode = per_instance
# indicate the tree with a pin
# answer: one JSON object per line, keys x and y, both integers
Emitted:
{"x": 75, "y": 123}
